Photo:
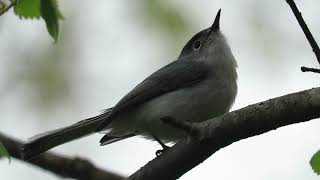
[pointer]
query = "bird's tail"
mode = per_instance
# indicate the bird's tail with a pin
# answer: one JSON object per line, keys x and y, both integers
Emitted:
{"x": 45, "y": 141}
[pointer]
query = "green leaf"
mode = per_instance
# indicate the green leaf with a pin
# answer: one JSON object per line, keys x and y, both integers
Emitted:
{"x": 315, "y": 162}
{"x": 4, "y": 152}
{"x": 27, "y": 8}
{"x": 47, "y": 9}
{"x": 51, "y": 15}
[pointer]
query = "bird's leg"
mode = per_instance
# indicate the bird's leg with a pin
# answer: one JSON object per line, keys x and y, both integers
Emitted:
{"x": 164, "y": 147}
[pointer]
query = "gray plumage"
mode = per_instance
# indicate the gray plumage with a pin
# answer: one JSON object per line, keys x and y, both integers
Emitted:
{"x": 200, "y": 85}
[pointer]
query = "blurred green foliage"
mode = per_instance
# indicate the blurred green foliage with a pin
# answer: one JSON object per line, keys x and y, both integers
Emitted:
{"x": 46, "y": 75}
{"x": 2, "y": 6}
{"x": 48, "y": 78}
{"x": 315, "y": 162}
{"x": 4, "y": 152}
{"x": 167, "y": 18}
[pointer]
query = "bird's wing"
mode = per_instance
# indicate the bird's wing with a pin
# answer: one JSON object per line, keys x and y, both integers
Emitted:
{"x": 176, "y": 75}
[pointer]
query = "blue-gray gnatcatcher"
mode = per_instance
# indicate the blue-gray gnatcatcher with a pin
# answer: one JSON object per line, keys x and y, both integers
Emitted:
{"x": 200, "y": 85}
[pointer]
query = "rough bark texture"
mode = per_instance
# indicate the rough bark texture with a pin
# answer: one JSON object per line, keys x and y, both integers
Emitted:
{"x": 234, "y": 126}
{"x": 210, "y": 136}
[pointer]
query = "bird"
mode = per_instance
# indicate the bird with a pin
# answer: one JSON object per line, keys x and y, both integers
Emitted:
{"x": 200, "y": 84}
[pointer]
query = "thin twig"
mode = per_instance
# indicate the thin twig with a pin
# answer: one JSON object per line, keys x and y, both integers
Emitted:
{"x": 75, "y": 168}
{"x": 306, "y": 69}
{"x": 305, "y": 28}
{"x": 8, "y": 8}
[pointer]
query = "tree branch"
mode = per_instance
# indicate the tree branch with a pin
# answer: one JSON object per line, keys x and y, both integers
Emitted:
{"x": 186, "y": 154}
{"x": 305, "y": 28}
{"x": 63, "y": 166}
{"x": 306, "y": 69}
{"x": 7, "y": 8}
{"x": 234, "y": 126}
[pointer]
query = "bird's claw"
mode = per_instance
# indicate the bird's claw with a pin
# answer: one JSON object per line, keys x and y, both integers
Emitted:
{"x": 161, "y": 151}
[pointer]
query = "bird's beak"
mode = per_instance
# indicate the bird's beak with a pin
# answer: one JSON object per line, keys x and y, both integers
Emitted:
{"x": 216, "y": 24}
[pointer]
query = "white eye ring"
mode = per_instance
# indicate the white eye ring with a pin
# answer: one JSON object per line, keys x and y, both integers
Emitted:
{"x": 197, "y": 45}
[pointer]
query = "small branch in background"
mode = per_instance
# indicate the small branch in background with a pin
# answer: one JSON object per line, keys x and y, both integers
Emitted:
{"x": 63, "y": 166}
{"x": 306, "y": 69}
{"x": 7, "y": 8}
{"x": 305, "y": 28}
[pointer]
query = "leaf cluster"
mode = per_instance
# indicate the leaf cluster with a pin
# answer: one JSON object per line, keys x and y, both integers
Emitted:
{"x": 46, "y": 9}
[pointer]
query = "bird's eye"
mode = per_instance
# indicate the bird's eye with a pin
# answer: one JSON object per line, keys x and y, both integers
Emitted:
{"x": 197, "y": 45}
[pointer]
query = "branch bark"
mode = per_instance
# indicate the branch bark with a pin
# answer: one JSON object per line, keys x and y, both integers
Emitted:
{"x": 215, "y": 134}
{"x": 234, "y": 126}
{"x": 63, "y": 166}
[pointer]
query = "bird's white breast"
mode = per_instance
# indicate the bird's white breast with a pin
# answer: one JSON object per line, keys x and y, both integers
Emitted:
{"x": 207, "y": 99}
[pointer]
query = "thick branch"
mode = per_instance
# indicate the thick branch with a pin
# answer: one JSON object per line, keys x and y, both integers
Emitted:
{"x": 234, "y": 126}
{"x": 305, "y": 28}
{"x": 60, "y": 165}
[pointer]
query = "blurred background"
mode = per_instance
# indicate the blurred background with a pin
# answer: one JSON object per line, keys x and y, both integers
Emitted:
{"x": 108, "y": 47}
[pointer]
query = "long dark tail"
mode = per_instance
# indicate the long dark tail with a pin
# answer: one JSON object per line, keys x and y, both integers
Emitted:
{"x": 45, "y": 141}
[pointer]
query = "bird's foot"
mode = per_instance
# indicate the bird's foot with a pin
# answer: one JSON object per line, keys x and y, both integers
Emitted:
{"x": 165, "y": 148}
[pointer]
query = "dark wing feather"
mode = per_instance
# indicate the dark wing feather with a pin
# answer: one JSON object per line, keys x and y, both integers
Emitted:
{"x": 176, "y": 75}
